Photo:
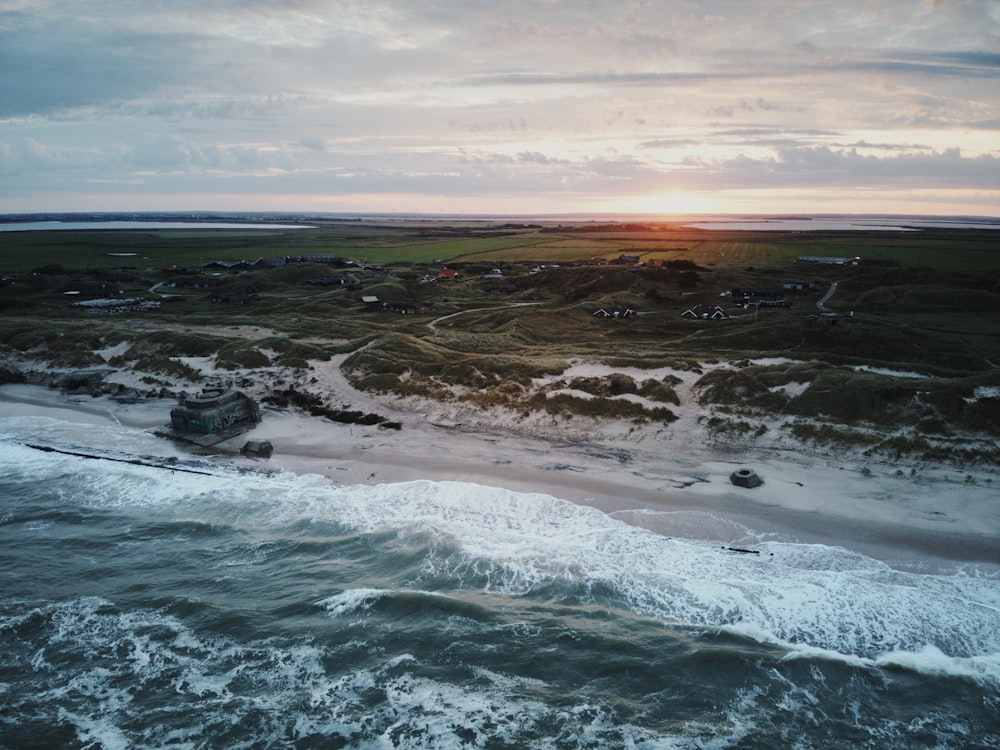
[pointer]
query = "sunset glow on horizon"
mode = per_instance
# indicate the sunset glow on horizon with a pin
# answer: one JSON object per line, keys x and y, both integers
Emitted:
{"x": 527, "y": 108}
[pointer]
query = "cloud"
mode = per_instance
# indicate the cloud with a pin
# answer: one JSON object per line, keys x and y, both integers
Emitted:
{"x": 313, "y": 143}
{"x": 823, "y": 167}
{"x": 586, "y": 98}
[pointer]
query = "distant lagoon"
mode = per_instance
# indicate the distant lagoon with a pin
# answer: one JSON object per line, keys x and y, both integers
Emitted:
{"x": 29, "y": 226}
{"x": 841, "y": 224}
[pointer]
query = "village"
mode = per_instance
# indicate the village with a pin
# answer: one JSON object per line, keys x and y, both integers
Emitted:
{"x": 245, "y": 282}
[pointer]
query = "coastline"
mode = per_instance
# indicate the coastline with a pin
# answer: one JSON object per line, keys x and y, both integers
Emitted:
{"x": 665, "y": 483}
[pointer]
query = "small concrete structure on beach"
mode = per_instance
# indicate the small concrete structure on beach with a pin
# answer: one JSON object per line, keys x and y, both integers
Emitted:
{"x": 214, "y": 415}
{"x": 746, "y": 478}
{"x": 260, "y": 448}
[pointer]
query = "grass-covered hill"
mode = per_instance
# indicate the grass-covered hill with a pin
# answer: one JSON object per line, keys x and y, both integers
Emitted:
{"x": 526, "y": 300}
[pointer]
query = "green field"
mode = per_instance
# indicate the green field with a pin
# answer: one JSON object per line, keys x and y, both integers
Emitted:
{"x": 943, "y": 249}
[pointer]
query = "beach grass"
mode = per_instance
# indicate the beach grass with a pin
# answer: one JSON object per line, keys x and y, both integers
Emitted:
{"x": 934, "y": 313}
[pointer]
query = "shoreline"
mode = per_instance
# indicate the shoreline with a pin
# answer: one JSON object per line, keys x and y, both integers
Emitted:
{"x": 903, "y": 521}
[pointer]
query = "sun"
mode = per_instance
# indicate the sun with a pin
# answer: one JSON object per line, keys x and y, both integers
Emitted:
{"x": 671, "y": 203}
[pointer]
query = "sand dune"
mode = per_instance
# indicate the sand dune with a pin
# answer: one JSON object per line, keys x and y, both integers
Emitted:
{"x": 671, "y": 479}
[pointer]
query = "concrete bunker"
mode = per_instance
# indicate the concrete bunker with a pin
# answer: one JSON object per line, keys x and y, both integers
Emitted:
{"x": 219, "y": 412}
{"x": 745, "y": 477}
{"x": 257, "y": 448}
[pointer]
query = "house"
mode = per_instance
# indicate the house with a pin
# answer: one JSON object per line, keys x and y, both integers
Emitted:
{"x": 797, "y": 286}
{"x": 409, "y": 307}
{"x": 765, "y": 302}
{"x": 231, "y": 299}
{"x": 616, "y": 312}
{"x": 447, "y": 274}
{"x": 626, "y": 260}
{"x": 758, "y": 297}
{"x": 705, "y": 312}
{"x": 741, "y": 293}
{"x": 193, "y": 282}
{"x": 829, "y": 260}
{"x": 315, "y": 258}
{"x": 91, "y": 289}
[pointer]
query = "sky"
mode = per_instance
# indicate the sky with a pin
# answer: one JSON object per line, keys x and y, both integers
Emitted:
{"x": 501, "y": 106}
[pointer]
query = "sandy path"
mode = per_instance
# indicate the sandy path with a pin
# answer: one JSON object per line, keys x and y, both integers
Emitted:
{"x": 821, "y": 304}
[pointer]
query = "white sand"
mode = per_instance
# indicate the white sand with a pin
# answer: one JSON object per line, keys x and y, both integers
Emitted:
{"x": 669, "y": 479}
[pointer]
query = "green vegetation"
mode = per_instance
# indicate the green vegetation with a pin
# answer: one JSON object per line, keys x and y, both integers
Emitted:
{"x": 171, "y": 367}
{"x": 565, "y": 405}
{"x": 931, "y": 307}
{"x": 491, "y": 242}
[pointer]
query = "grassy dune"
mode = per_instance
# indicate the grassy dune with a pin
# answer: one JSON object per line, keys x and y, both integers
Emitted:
{"x": 935, "y": 313}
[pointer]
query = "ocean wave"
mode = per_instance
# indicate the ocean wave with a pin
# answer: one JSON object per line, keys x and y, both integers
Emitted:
{"x": 811, "y": 599}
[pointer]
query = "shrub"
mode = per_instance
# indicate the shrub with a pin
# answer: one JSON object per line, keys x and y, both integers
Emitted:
{"x": 611, "y": 385}
{"x": 383, "y": 382}
{"x": 296, "y": 363}
{"x": 288, "y": 349}
{"x": 170, "y": 367}
{"x": 724, "y": 386}
{"x": 728, "y": 427}
{"x": 655, "y": 390}
{"x": 176, "y": 344}
{"x": 504, "y": 394}
{"x": 598, "y": 408}
{"x": 77, "y": 358}
{"x": 240, "y": 356}
{"x": 825, "y": 434}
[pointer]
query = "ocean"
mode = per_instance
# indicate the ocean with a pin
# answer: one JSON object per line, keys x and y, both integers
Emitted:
{"x": 204, "y": 606}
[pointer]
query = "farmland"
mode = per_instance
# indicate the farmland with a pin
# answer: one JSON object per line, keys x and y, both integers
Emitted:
{"x": 428, "y": 241}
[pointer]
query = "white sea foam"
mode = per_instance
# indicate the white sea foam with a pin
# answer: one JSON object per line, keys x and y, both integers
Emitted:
{"x": 932, "y": 661}
{"x": 813, "y": 600}
{"x": 351, "y": 601}
{"x": 228, "y": 682}
{"x": 805, "y": 596}
{"x": 890, "y": 372}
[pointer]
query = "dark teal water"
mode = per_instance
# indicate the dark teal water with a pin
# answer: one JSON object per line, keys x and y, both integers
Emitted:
{"x": 146, "y": 608}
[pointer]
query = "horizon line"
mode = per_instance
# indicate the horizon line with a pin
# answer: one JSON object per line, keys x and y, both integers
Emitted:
{"x": 800, "y": 215}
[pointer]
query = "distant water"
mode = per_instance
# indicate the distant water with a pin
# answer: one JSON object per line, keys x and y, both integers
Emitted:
{"x": 27, "y": 226}
{"x": 141, "y": 607}
{"x": 842, "y": 224}
{"x": 759, "y": 222}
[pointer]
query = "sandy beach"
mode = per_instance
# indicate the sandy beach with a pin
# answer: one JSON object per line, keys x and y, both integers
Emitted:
{"x": 670, "y": 480}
